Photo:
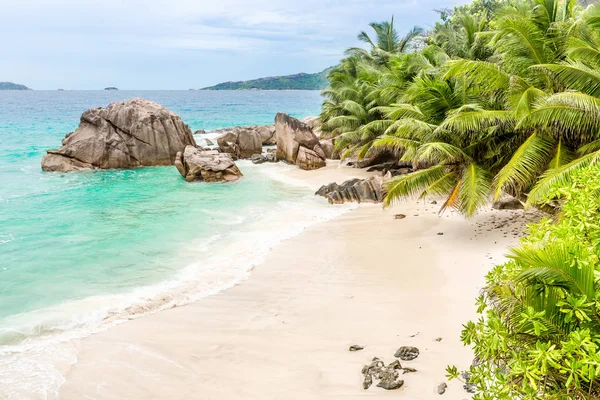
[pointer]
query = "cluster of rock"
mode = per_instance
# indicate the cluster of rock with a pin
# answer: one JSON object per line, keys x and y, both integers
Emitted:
{"x": 389, "y": 376}
{"x": 244, "y": 142}
{"x": 206, "y": 165}
{"x": 369, "y": 190}
{"x": 140, "y": 132}
{"x": 297, "y": 144}
{"x": 126, "y": 134}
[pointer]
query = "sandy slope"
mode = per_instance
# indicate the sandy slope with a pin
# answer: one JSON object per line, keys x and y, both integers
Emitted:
{"x": 363, "y": 278}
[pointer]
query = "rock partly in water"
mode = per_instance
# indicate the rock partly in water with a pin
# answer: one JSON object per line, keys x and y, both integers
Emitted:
{"x": 241, "y": 142}
{"x": 407, "y": 353}
{"x": 508, "y": 204}
{"x": 126, "y": 134}
{"x": 200, "y": 132}
{"x": 263, "y": 158}
{"x": 267, "y": 134}
{"x": 356, "y": 190}
{"x": 206, "y": 165}
{"x": 297, "y": 144}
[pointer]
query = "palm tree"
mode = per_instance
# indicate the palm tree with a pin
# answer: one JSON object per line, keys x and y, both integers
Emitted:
{"x": 386, "y": 43}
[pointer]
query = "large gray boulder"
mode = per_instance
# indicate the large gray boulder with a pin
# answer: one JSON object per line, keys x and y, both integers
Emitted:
{"x": 370, "y": 190}
{"x": 206, "y": 165}
{"x": 297, "y": 144}
{"x": 125, "y": 134}
{"x": 241, "y": 142}
{"x": 267, "y": 134}
{"x": 329, "y": 148}
{"x": 315, "y": 124}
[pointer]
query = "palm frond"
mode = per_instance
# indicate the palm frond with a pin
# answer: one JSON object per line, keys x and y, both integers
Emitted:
{"x": 525, "y": 164}
{"x": 412, "y": 184}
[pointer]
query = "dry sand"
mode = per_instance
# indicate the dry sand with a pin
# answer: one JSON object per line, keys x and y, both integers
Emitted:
{"x": 364, "y": 278}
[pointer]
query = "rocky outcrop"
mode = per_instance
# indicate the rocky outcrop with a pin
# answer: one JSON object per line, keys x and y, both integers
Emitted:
{"x": 241, "y": 142}
{"x": 126, "y": 134}
{"x": 297, "y": 144}
{"x": 370, "y": 190}
{"x": 206, "y": 165}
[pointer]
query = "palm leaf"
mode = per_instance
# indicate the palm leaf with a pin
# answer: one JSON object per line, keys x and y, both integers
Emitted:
{"x": 409, "y": 185}
{"x": 475, "y": 189}
{"x": 560, "y": 176}
{"x": 519, "y": 172}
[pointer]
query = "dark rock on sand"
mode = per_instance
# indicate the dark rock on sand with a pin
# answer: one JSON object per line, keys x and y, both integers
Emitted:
{"x": 297, "y": 144}
{"x": 388, "y": 376}
{"x": 508, "y": 204}
{"x": 367, "y": 382}
{"x": 399, "y": 216}
{"x": 355, "y": 347}
{"x": 407, "y": 353}
{"x": 125, "y": 134}
{"x": 370, "y": 190}
{"x": 388, "y": 379}
{"x": 441, "y": 389}
{"x": 206, "y": 165}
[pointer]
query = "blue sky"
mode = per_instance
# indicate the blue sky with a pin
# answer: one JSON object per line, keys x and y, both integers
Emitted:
{"x": 181, "y": 44}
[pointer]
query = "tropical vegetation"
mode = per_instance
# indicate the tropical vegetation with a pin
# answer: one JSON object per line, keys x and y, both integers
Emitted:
{"x": 301, "y": 81}
{"x": 539, "y": 331}
{"x": 500, "y": 97}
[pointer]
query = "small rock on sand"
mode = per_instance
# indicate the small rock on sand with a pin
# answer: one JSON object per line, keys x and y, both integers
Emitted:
{"x": 399, "y": 216}
{"x": 355, "y": 347}
{"x": 441, "y": 389}
{"x": 407, "y": 353}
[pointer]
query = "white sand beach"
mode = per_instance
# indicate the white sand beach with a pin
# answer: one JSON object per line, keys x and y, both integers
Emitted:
{"x": 363, "y": 278}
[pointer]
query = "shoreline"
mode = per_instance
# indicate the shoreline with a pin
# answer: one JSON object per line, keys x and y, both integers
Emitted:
{"x": 361, "y": 278}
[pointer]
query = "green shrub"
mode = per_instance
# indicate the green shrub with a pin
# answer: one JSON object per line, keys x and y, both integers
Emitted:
{"x": 539, "y": 331}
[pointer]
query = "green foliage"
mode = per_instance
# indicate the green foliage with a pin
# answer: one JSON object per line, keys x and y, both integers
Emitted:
{"x": 12, "y": 86}
{"x": 317, "y": 81}
{"x": 513, "y": 85}
{"x": 539, "y": 332}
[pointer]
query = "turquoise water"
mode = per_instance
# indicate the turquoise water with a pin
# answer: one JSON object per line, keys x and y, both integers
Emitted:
{"x": 69, "y": 238}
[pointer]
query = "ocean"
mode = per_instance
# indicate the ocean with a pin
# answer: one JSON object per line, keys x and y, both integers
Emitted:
{"x": 83, "y": 251}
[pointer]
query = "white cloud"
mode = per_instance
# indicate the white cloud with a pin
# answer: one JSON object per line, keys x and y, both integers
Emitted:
{"x": 260, "y": 37}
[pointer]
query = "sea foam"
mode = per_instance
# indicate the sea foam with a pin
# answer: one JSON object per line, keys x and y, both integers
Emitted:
{"x": 36, "y": 354}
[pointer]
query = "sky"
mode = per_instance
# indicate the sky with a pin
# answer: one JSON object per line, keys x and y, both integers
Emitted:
{"x": 183, "y": 44}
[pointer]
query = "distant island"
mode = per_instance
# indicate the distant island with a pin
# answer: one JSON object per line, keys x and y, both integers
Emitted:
{"x": 111, "y": 88}
{"x": 302, "y": 81}
{"x": 12, "y": 86}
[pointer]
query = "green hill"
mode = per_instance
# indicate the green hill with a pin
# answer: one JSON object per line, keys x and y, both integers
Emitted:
{"x": 302, "y": 81}
{"x": 12, "y": 86}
